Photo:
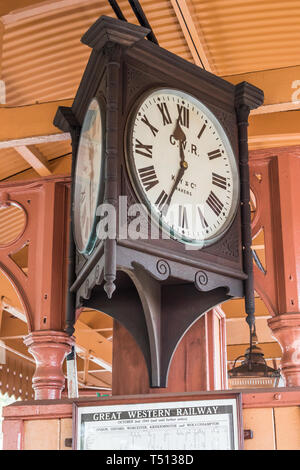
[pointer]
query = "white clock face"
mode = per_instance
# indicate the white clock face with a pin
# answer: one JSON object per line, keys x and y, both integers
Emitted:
{"x": 88, "y": 178}
{"x": 182, "y": 166}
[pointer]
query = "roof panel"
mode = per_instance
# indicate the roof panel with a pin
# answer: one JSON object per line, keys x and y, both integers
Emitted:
{"x": 245, "y": 36}
{"x": 11, "y": 163}
{"x": 43, "y": 58}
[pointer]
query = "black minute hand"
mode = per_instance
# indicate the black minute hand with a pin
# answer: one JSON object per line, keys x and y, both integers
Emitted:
{"x": 178, "y": 178}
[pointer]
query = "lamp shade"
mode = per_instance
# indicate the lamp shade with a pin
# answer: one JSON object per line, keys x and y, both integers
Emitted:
{"x": 254, "y": 371}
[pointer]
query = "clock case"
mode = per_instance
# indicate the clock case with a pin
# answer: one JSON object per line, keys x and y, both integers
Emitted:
{"x": 155, "y": 288}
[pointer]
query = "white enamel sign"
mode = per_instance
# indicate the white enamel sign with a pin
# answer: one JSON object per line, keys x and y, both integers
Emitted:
{"x": 182, "y": 425}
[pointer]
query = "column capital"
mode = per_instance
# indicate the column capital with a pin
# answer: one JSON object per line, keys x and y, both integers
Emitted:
{"x": 286, "y": 329}
{"x": 49, "y": 348}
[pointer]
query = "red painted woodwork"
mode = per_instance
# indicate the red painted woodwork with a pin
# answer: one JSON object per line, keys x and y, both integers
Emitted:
{"x": 17, "y": 414}
{"x": 275, "y": 176}
{"x": 286, "y": 329}
{"x": 42, "y": 289}
{"x": 49, "y": 349}
{"x": 192, "y": 368}
{"x": 13, "y": 434}
{"x": 272, "y": 398}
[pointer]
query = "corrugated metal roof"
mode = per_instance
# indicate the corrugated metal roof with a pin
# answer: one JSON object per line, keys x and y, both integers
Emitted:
{"x": 43, "y": 58}
{"x": 11, "y": 163}
{"x": 250, "y": 35}
{"x": 12, "y": 224}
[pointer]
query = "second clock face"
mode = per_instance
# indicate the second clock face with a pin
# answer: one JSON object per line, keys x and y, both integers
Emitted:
{"x": 182, "y": 166}
{"x": 88, "y": 176}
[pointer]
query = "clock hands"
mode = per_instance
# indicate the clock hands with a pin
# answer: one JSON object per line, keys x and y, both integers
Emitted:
{"x": 167, "y": 203}
{"x": 179, "y": 135}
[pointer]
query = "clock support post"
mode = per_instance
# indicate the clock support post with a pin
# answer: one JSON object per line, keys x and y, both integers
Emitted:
{"x": 112, "y": 54}
{"x": 247, "y": 97}
{"x": 66, "y": 121}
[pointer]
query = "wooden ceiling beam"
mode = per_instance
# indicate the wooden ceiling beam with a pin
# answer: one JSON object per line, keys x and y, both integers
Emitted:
{"x": 81, "y": 352}
{"x": 96, "y": 359}
{"x": 98, "y": 381}
{"x": 192, "y": 33}
{"x": 35, "y": 158}
{"x": 93, "y": 342}
{"x": 272, "y": 141}
{"x": 276, "y": 107}
{"x": 276, "y": 130}
{"x": 29, "y": 122}
{"x": 4, "y": 304}
{"x": 91, "y": 380}
{"x": 16, "y": 352}
{"x": 37, "y": 140}
{"x": 281, "y": 88}
{"x": 4, "y": 338}
{"x": 95, "y": 388}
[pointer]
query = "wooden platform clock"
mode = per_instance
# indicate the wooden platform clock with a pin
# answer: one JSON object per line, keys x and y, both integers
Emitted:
{"x": 150, "y": 128}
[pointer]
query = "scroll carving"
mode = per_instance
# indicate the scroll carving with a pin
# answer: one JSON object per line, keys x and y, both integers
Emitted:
{"x": 163, "y": 269}
{"x": 201, "y": 279}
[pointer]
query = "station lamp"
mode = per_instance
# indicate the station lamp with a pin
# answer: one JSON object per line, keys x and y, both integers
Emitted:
{"x": 254, "y": 371}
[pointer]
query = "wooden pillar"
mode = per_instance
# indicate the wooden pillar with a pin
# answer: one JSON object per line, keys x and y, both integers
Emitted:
{"x": 286, "y": 329}
{"x": 49, "y": 349}
{"x": 42, "y": 289}
{"x": 285, "y": 177}
{"x": 275, "y": 181}
{"x": 199, "y": 362}
{"x": 47, "y": 343}
{"x": 49, "y": 259}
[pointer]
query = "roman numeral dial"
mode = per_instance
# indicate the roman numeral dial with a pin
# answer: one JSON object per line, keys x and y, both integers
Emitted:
{"x": 182, "y": 166}
{"x": 219, "y": 181}
{"x": 163, "y": 108}
{"x": 148, "y": 177}
{"x": 143, "y": 149}
{"x": 214, "y": 203}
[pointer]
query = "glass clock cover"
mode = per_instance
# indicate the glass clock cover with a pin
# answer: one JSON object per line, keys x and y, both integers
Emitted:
{"x": 88, "y": 173}
{"x": 182, "y": 166}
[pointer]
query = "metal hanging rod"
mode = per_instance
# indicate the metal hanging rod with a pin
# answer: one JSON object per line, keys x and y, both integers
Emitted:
{"x": 139, "y": 13}
{"x": 117, "y": 10}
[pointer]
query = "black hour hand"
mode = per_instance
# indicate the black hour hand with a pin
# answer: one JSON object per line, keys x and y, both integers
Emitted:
{"x": 178, "y": 133}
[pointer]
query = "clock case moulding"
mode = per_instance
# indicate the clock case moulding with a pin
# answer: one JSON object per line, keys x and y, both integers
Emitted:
{"x": 155, "y": 288}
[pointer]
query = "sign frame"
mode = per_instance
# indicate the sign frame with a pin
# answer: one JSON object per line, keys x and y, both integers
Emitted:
{"x": 212, "y": 397}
